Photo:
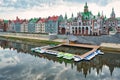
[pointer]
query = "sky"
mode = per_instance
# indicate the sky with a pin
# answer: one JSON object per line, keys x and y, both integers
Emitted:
{"x": 26, "y": 9}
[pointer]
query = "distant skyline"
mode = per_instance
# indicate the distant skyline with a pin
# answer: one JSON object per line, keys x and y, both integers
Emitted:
{"x": 9, "y": 9}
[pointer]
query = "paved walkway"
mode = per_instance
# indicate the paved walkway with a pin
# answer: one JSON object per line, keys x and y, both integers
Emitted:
{"x": 31, "y": 37}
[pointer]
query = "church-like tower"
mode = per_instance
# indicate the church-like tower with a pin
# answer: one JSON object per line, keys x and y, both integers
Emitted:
{"x": 86, "y": 7}
{"x": 112, "y": 13}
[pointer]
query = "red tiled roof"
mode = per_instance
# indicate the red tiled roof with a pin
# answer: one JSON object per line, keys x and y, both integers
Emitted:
{"x": 42, "y": 20}
{"x": 53, "y": 18}
{"x": 18, "y": 20}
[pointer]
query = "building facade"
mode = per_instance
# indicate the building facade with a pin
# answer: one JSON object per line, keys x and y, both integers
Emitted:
{"x": 85, "y": 23}
{"x": 40, "y": 25}
{"x": 32, "y": 25}
{"x": 51, "y": 25}
{"x": 24, "y": 26}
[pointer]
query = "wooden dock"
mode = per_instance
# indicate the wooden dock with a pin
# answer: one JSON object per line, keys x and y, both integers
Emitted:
{"x": 93, "y": 47}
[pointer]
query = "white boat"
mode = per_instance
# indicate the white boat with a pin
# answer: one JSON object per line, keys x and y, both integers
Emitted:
{"x": 51, "y": 52}
{"x": 77, "y": 58}
{"x": 42, "y": 51}
{"x": 99, "y": 52}
{"x": 36, "y": 48}
{"x": 90, "y": 56}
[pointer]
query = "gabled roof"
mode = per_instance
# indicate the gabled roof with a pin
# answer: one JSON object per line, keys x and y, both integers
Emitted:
{"x": 53, "y": 18}
{"x": 18, "y": 20}
{"x": 24, "y": 21}
{"x": 41, "y": 20}
{"x": 33, "y": 20}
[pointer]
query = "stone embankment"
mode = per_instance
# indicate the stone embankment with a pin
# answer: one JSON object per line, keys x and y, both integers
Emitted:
{"x": 110, "y": 47}
{"x": 108, "y": 42}
{"x": 97, "y": 40}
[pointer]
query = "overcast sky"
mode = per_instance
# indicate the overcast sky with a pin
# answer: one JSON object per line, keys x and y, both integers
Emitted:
{"x": 9, "y": 9}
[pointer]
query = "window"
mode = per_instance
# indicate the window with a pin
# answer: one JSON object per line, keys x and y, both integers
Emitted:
{"x": 79, "y": 23}
{"x": 95, "y": 24}
{"x": 86, "y": 28}
{"x": 72, "y": 27}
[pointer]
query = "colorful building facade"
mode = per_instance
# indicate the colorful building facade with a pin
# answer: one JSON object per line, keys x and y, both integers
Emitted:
{"x": 40, "y": 25}
{"x": 32, "y": 25}
{"x": 24, "y": 26}
{"x": 84, "y": 24}
{"x": 51, "y": 25}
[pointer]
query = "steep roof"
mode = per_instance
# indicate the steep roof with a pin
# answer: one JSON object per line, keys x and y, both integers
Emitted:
{"x": 33, "y": 20}
{"x": 42, "y": 20}
{"x": 24, "y": 21}
{"x": 53, "y": 18}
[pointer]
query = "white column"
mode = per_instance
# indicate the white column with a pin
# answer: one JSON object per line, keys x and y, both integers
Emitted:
{"x": 81, "y": 30}
{"x": 84, "y": 30}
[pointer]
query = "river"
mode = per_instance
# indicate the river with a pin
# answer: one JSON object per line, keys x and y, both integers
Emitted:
{"x": 17, "y": 62}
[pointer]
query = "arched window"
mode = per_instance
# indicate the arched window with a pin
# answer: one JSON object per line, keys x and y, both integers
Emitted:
{"x": 79, "y": 23}
{"x": 73, "y": 30}
{"x": 86, "y": 28}
{"x": 76, "y": 30}
{"x": 82, "y": 30}
{"x": 79, "y": 30}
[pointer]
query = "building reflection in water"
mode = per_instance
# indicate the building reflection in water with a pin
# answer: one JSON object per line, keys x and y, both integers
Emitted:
{"x": 110, "y": 60}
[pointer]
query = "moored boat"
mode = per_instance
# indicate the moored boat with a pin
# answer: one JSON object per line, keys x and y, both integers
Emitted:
{"x": 90, "y": 56}
{"x": 51, "y": 52}
{"x": 68, "y": 56}
{"x": 77, "y": 58}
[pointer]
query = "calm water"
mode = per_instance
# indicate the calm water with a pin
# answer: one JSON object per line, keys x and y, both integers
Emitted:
{"x": 18, "y": 63}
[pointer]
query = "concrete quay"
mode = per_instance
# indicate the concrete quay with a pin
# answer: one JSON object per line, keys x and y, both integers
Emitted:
{"x": 110, "y": 47}
{"x": 104, "y": 46}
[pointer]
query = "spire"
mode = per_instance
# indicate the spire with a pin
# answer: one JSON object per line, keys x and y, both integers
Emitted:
{"x": 65, "y": 16}
{"x": 112, "y": 13}
{"x": 98, "y": 14}
{"x": 72, "y": 15}
{"x": 86, "y": 7}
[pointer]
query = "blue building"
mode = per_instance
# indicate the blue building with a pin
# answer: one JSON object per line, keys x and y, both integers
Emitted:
{"x": 32, "y": 24}
{"x": 52, "y": 23}
{"x": 17, "y": 24}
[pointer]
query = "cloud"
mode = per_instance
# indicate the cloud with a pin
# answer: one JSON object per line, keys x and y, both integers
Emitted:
{"x": 44, "y": 8}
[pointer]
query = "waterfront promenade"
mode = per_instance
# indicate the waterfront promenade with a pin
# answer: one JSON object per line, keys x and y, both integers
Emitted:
{"x": 105, "y": 46}
{"x": 30, "y": 36}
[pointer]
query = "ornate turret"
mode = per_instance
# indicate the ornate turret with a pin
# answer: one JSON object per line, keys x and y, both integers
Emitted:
{"x": 112, "y": 14}
{"x": 86, "y": 7}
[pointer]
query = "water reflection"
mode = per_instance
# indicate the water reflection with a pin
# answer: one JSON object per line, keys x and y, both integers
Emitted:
{"x": 13, "y": 59}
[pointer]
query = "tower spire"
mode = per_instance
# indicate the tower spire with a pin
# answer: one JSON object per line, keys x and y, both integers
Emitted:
{"x": 65, "y": 16}
{"x": 86, "y": 7}
{"x": 112, "y": 13}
